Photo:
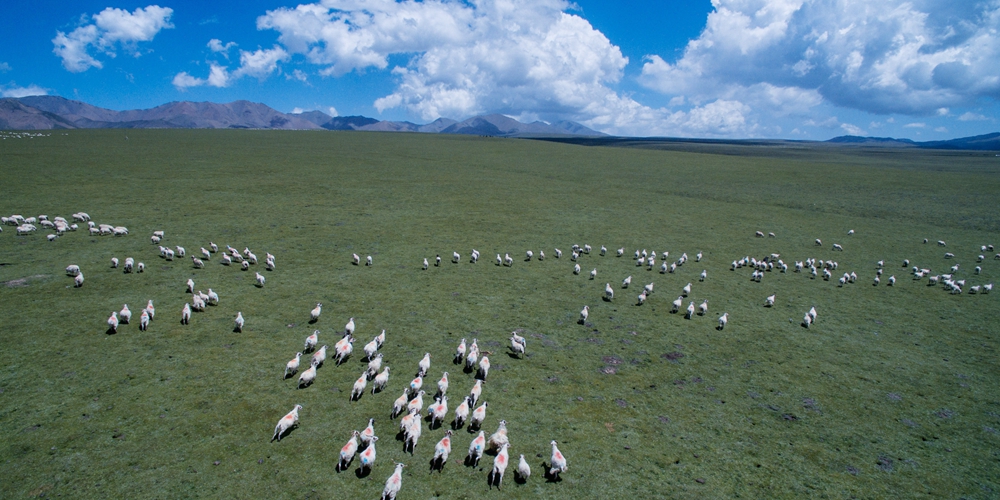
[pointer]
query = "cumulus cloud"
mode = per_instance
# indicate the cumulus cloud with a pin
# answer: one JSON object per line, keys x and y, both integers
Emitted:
{"x": 969, "y": 116}
{"x": 259, "y": 64}
{"x": 218, "y": 76}
{"x": 910, "y": 57}
{"x": 4, "y": 67}
{"x": 15, "y": 91}
{"x": 216, "y": 45}
{"x": 110, "y": 30}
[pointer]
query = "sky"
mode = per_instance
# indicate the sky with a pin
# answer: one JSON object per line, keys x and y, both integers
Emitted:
{"x": 792, "y": 69}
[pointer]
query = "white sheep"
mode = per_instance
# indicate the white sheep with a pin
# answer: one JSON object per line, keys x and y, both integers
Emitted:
{"x": 348, "y": 451}
{"x": 239, "y": 322}
{"x": 374, "y": 365}
{"x": 125, "y": 314}
{"x": 349, "y": 327}
{"x": 198, "y": 263}
{"x": 144, "y": 320}
{"x": 769, "y": 301}
{"x": 690, "y": 311}
{"x": 703, "y": 275}
{"x": 499, "y": 260}
{"x": 307, "y": 377}
{"x": 356, "y": 259}
{"x": 359, "y": 387}
{"x": 292, "y": 367}
{"x": 528, "y": 255}
{"x": 78, "y": 280}
{"x": 393, "y": 484}
{"x": 368, "y": 260}
{"x": 426, "y": 264}
{"x": 593, "y": 273}
{"x": 441, "y": 451}
{"x": 460, "y": 352}
{"x": 114, "y": 262}
{"x": 343, "y": 348}
{"x": 626, "y": 282}
{"x": 609, "y": 293}
{"x": 72, "y": 270}
{"x": 649, "y": 289}
{"x": 368, "y": 456}
{"x": 604, "y": 250}
{"x": 942, "y": 243}
{"x": 438, "y": 410}
{"x": 584, "y": 313}
{"x": 541, "y": 255}
{"x": 620, "y": 252}
{"x": 186, "y": 314}
{"x": 113, "y": 322}
{"x": 892, "y": 280}
{"x": 558, "y": 253}
{"x": 424, "y": 365}
{"x": 508, "y": 260}
{"x": 557, "y": 464}
{"x": 484, "y": 368}
{"x": 703, "y": 308}
{"x": 641, "y": 299}
{"x": 499, "y": 466}
{"x": 190, "y": 286}
{"x": 287, "y": 422}
{"x": 180, "y": 251}
{"x": 686, "y": 290}
{"x": 381, "y": 380}
{"x": 319, "y": 357}
{"x": 723, "y": 320}
{"x": 476, "y": 392}
{"x": 462, "y": 413}
{"x": 987, "y": 288}
{"x": 476, "y": 448}
{"x": 260, "y": 280}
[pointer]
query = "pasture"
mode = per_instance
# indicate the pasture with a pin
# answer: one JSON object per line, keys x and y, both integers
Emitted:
{"x": 894, "y": 392}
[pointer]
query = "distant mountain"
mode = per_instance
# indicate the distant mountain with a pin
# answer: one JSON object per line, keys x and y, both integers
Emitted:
{"x": 501, "y": 125}
{"x": 437, "y": 126}
{"x": 988, "y": 142}
{"x": 18, "y": 116}
{"x": 348, "y": 122}
{"x": 316, "y": 117}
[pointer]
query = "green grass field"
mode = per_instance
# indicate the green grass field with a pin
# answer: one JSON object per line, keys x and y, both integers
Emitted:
{"x": 893, "y": 393}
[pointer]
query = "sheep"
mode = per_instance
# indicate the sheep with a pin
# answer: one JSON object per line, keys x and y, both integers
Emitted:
{"x": 641, "y": 299}
{"x": 393, "y": 484}
{"x": 980, "y": 258}
{"x": 576, "y": 269}
{"x": 663, "y": 268}
{"x": 319, "y": 357}
{"x": 987, "y": 288}
{"x": 424, "y": 365}
{"x": 168, "y": 254}
{"x": 557, "y": 463}
{"x": 586, "y": 249}
{"x": 604, "y": 250}
{"x": 974, "y": 289}
{"x": 125, "y": 314}
{"x": 819, "y": 242}
{"x": 462, "y": 412}
{"x": 584, "y": 313}
{"x": 311, "y": 341}
{"x": 626, "y": 282}
{"x": 771, "y": 235}
{"x": 876, "y": 281}
{"x": 368, "y": 261}
{"x": 239, "y": 322}
{"x": 759, "y": 234}
{"x": 541, "y": 255}
{"x": 441, "y": 451}
{"x": 260, "y": 280}
{"x": 190, "y": 286}
{"x": 355, "y": 259}
{"x": 892, "y": 280}
{"x": 349, "y": 327}
{"x": 78, "y": 280}
{"x": 558, "y": 253}
{"x": 703, "y": 308}
{"x": 620, "y": 252}
{"x": 348, "y": 451}
{"x": 400, "y": 403}
{"x": 426, "y": 265}
{"x": 292, "y": 367}
{"x": 508, "y": 260}
{"x": 114, "y": 262}
{"x": 723, "y": 320}
{"x": 439, "y": 410}
{"x": 144, "y": 320}
{"x": 343, "y": 348}
{"x": 380, "y": 380}
{"x": 703, "y": 275}
{"x": 977, "y": 270}
{"x": 949, "y": 255}
{"x": 117, "y": 231}
{"x": 648, "y": 288}
{"x": 477, "y": 390}
{"x": 374, "y": 365}
{"x": 686, "y": 290}
{"x": 359, "y": 387}
{"x": 941, "y": 243}
{"x": 368, "y": 456}
{"x": 113, "y": 322}
{"x": 154, "y": 239}
{"x": 459, "y": 352}
{"x": 72, "y": 270}
{"x": 517, "y": 348}
{"x": 198, "y": 263}
{"x": 307, "y": 377}
{"x": 838, "y": 247}
{"x": 269, "y": 264}
{"x": 484, "y": 368}
{"x": 417, "y": 403}
{"x": 478, "y": 416}
{"x": 528, "y": 255}
{"x": 369, "y": 433}
{"x": 639, "y": 262}
{"x": 609, "y": 293}
{"x": 769, "y": 301}
{"x": 593, "y": 273}
{"x": 287, "y": 422}
{"x": 186, "y": 314}
{"x": 499, "y": 466}
{"x": 499, "y": 260}
{"x": 180, "y": 251}
{"x": 677, "y": 304}
{"x": 690, "y": 311}
{"x": 129, "y": 264}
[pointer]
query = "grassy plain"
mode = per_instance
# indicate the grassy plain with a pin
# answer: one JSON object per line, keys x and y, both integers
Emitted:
{"x": 894, "y": 393}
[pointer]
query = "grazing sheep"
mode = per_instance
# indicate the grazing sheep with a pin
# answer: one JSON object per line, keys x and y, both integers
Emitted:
{"x": 987, "y": 288}
{"x": 626, "y": 282}
{"x": 459, "y": 352}
{"x": 380, "y": 380}
{"x": 307, "y": 377}
{"x": 941, "y": 243}
{"x": 368, "y": 261}
{"x": 769, "y": 301}
{"x": 348, "y": 451}
{"x": 584, "y": 313}
{"x": 557, "y": 463}
{"x": 129, "y": 264}
{"x": 424, "y": 365}
{"x": 144, "y": 320}
{"x": 180, "y": 251}
{"x": 819, "y": 242}
{"x": 723, "y": 320}
{"x": 620, "y": 252}
{"x": 476, "y": 448}
{"x": 455, "y": 257}
{"x": 838, "y": 247}
{"x": 114, "y": 262}
{"x": 499, "y": 466}
{"x": 72, "y": 270}
{"x": 245, "y": 265}
{"x": 393, "y": 484}
{"x": 576, "y": 269}
{"x": 78, "y": 280}
{"x": 287, "y": 422}
{"x": 113, "y": 322}
{"x": 426, "y": 265}
{"x": 319, "y": 357}
{"x": 355, "y": 259}
{"x": 154, "y": 239}
{"x": 759, "y": 234}
{"x": 359, "y": 387}
{"x": 239, "y": 322}
{"x": 528, "y": 255}
{"x": 292, "y": 367}
{"x": 974, "y": 289}
{"x": 541, "y": 255}
{"x": 186, "y": 314}
{"x": 198, "y": 263}
{"x": 949, "y": 255}
{"x": 368, "y": 456}
{"x": 771, "y": 235}
{"x": 441, "y": 451}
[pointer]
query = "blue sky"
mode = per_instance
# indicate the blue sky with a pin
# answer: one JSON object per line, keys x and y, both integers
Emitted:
{"x": 797, "y": 69}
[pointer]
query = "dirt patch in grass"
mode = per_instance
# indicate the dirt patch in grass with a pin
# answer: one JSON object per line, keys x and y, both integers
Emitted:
{"x": 23, "y": 282}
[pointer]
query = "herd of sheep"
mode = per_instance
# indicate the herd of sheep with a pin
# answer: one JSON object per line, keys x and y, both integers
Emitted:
{"x": 410, "y": 403}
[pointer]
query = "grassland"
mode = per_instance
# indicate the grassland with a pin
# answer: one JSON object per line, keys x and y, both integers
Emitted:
{"x": 894, "y": 393}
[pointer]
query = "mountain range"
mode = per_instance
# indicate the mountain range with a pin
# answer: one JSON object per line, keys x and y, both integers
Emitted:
{"x": 54, "y": 112}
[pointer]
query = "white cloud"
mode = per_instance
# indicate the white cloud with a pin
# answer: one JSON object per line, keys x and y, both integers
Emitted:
{"x": 940, "y": 129}
{"x": 297, "y": 110}
{"x": 183, "y": 81}
{"x": 216, "y": 45}
{"x": 909, "y": 57}
{"x": 852, "y": 129}
{"x": 969, "y": 116}
{"x": 332, "y": 111}
{"x": 218, "y": 76}
{"x": 111, "y": 28}
{"x": 260, "y": 63}
{"x": 4, "y": 67}
{"x": 915, "y": 125}
{"x": 297, "y": 75}
{"x": 22, "y": 91}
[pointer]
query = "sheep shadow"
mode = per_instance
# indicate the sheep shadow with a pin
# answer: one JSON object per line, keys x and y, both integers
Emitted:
{"x": 289, "y": 375}
{"x": 519, "y": 479}
{"x": 313, "y": 321}
{"x": 549, "y": 476}
{"x": 606, "y": 298}
{"x": 306, "y": 385}
{"x": 456, "y": 426}
{"x": 342, "y": 466}
{"x": 237, "y": 329}
{"x": 513, "y": 355}
{"x": 437, "y": 464}
{"x": 111, "y": 331}
{"x": 493, "y": 479}
{"x": 362, "y": 472}
{"x": 471, "y": 461}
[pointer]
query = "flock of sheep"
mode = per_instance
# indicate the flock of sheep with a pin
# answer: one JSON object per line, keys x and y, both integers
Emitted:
{"x": 410, "y": 403}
